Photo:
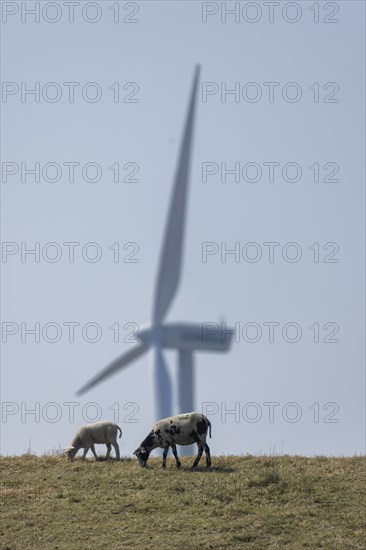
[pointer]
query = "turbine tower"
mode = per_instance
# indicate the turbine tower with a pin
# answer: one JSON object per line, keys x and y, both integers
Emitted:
{"x": 183, "y": 337}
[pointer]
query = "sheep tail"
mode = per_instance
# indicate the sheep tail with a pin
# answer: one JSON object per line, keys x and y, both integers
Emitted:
{"x": 209, "y": 426}
{"x": 120, "y": 432}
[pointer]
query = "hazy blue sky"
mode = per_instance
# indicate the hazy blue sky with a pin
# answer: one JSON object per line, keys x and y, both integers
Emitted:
{"x": 319, "y": 383}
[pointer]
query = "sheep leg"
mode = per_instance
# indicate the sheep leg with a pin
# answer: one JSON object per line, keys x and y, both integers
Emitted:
{"x": 109, "y": 447}
{"x": 86, "y": 449}
{"x": 93, "y": 451}
{"x": 199, "y": 454}
{"x": 116, "y": 448}
{"x": 174, "y": 449}
{"x": 165, "y": 452}
{"x": 208, "y": 455}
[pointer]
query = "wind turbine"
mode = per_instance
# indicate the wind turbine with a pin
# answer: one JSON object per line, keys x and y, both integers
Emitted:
{"x": 184, "y": 337}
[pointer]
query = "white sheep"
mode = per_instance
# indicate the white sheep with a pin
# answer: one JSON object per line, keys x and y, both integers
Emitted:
{"x": 98, "y": 432}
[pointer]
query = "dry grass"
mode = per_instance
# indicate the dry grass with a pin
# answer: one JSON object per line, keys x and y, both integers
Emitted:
{"x": 242, "y": 502}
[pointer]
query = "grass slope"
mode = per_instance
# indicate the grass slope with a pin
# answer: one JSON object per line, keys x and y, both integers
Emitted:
{"x": 242, "y": 502}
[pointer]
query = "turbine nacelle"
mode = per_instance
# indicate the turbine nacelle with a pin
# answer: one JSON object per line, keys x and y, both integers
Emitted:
{"x": 187, "y": 337}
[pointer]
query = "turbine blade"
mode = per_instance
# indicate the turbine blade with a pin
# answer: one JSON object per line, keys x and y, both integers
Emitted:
{"x": 118, "y": 363}
{"x": 171, "y": 255}
{"x": 162, "y": 385}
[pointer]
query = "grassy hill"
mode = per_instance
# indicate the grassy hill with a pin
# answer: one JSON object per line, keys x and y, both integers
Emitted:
{"x": 242, "y": 502}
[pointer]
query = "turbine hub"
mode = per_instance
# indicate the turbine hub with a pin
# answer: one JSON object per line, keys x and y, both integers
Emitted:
{"x": 150, "y": 336}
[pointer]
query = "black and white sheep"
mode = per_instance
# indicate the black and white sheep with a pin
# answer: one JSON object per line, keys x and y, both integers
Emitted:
{"x": 182, "y": 429}
{"x": 98, "y": 432}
